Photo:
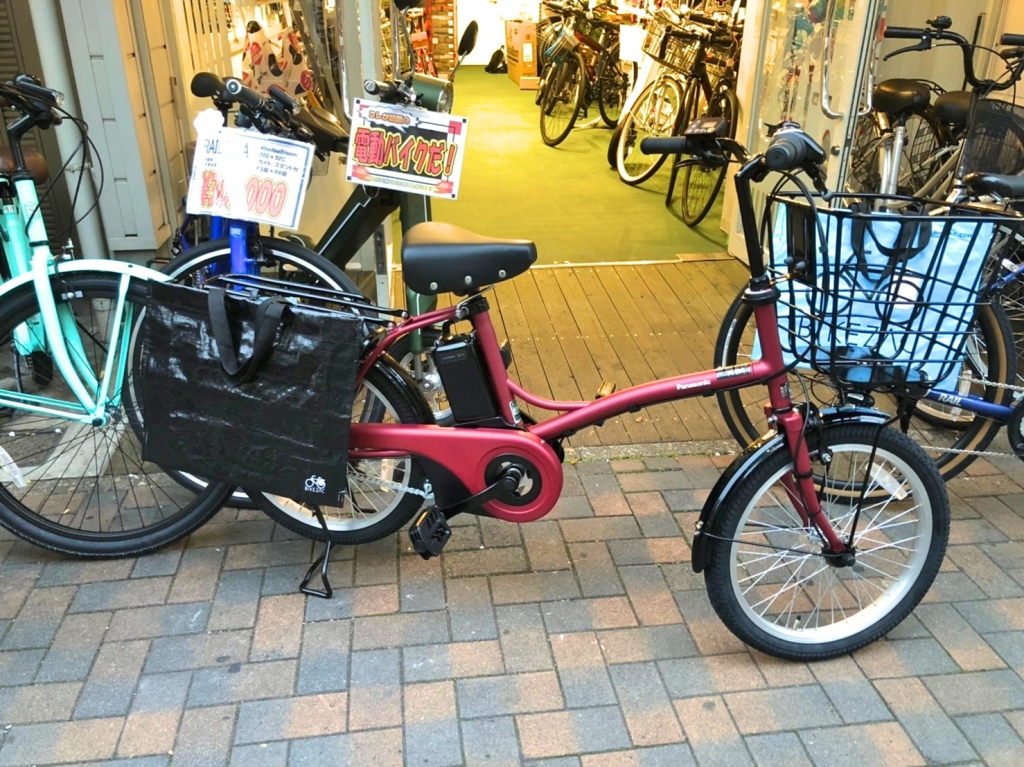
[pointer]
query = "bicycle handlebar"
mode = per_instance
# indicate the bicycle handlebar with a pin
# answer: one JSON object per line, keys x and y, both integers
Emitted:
{"x": 903, "y": 33}
{"x": 289, "y": 104}
{"x": 207, "y": 85}
{"x": 242, "y": 94}
{"x": 940, "y": 31}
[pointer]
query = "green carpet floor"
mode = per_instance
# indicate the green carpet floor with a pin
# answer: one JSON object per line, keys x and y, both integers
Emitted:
{"x": 566, "y": 199}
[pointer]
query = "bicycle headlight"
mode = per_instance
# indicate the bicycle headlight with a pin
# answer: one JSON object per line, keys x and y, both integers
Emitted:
{"x": 434, "y": 93}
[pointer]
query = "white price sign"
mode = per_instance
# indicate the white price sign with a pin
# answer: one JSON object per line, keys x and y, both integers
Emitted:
{"x": 406, "y": 149}
{"x": 248, "y": 176}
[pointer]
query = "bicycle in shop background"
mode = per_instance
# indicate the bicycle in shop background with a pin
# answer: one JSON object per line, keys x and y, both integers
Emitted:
{"x": 581, "y": 68}
{"x": 957, "y": 420}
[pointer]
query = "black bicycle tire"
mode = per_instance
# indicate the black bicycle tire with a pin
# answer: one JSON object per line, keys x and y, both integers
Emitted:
{"x": 995, "y": 327}
{"x": 613, "y": 145}
{"x": 691, "y": 218}
{"x": 626, "y": 123}
{"x": 573, "y": 60}
{"x": 718, "y": 575}
{"x": 402, "y": 396}
{"x": 609, "y": 58}
{"x": 78, "y": 543}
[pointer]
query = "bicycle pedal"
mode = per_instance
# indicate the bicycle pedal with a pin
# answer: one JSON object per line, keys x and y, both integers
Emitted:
{"x": 605, "y": 390}
{"x": 429, "y": 533}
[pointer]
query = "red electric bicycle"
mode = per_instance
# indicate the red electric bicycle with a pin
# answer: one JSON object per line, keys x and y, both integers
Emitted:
{"x": 820, "y": 538}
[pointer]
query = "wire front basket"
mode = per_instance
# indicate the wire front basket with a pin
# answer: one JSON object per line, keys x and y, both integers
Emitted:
{"x": 995, "y": 139}
{"x": 561, "y": 43}
{"x": 880, "y": 301}
{"x": 671, "y": 45}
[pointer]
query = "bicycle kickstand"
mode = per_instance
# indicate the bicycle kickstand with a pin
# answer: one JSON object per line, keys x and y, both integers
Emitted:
{"x": 322, "y": 561}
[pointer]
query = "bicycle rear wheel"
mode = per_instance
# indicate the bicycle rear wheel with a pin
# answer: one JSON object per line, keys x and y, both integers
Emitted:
{"x": 942, "y": 430}
{"x": 276, "y": 259}
{"x": 563, "y": 100}
{"x": 383, "y": 493}
{"x": 702, "y": 183}
{"x": 656, "y": 113}
{"x": 768, "y": 578}
{"x": 78, "y": 488}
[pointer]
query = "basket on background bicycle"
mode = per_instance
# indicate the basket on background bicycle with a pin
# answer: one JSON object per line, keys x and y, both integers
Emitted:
{"x": 561, "y": 43}
{"x": 670, "y": 44}
{"x": 995, "y": 139}
{"x": 875, "y": 300}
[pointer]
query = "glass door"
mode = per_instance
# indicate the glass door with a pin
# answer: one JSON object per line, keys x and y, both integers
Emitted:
{"x": 808, "y": 61}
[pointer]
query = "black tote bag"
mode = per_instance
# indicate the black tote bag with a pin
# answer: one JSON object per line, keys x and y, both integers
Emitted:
{"x": 257, "y": 393}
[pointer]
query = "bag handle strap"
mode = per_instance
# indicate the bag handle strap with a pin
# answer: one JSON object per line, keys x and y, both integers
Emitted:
{"x": 268, "y": 319}
{"x": 913, "y": 238}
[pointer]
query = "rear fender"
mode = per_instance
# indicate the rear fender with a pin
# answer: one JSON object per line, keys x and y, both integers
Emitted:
{"x": 741, "y": 469}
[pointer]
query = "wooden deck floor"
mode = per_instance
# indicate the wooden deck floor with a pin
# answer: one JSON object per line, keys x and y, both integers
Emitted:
{"x": 574, "y": 327}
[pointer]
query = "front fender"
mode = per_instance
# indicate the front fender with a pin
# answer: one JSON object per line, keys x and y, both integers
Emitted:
{"x": 744, "y": 465}
{"x": 95, "y": 265}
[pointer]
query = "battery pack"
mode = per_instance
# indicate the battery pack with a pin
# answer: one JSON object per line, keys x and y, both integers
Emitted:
{"x": 466, "y": 383}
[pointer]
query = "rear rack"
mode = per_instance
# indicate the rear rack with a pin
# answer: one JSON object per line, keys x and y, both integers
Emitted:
{"x": 312, "y": 296}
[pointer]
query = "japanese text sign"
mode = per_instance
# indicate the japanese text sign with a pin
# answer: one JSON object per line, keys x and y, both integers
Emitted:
{"x": 246, "y": 175}
{"x": 406, "y": 149}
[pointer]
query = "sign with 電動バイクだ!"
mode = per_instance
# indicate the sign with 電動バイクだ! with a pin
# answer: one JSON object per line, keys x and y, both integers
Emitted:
{"x": 246, "y": 175}
{"x": 406, "y": 149}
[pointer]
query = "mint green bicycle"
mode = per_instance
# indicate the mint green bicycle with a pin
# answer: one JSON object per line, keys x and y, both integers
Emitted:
{"x": 72, "y": 477}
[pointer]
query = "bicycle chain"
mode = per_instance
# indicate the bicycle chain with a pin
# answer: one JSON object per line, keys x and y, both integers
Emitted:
{"x": 396, "y": 486}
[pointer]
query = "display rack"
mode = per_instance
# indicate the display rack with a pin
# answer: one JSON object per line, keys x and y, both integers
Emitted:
{"x": 443, "y": 31}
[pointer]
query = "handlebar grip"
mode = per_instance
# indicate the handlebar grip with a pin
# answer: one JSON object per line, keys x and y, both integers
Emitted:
{"x": 906, "y": 33}
{"x": 673, "y": 145}
{"x": 701, "y": 19}
{"x": 1010, "y": 39}
{"x": 786, "y": 152}
{"x": 382, "y": 90}
{"x": 244, "y": 95}
{"x": 207, "y": 85}
{"x": 282, "y": 98}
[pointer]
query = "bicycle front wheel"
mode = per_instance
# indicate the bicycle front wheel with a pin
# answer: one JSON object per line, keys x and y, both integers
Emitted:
{"x": 612, "y": 86}
{"x": 948, "y": 433}
{"x": 768, "y": 578}
{"x": 78, "y": 488}
{"x": 702, "y": 183}
{"x": 655, "y": 114}
{"x": 563, "y": 99}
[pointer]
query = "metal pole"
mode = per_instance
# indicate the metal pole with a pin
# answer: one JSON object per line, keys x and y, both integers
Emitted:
{"x": 47, "y": 23}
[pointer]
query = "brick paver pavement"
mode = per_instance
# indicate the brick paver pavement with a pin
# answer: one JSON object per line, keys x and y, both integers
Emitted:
{"x": 582, "y": 639}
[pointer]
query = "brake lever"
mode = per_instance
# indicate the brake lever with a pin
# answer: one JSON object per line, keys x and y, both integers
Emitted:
{"x": 924, "y": 45}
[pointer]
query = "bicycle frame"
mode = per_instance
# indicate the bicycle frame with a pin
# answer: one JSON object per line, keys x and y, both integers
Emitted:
{"x": 55, "y": 332}
{"x": 466, "y": 453}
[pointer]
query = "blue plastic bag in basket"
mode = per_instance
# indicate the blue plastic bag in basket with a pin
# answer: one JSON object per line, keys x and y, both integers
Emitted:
{"x": 894, "y": 287}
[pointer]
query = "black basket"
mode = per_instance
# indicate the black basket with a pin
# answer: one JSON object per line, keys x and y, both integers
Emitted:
{"x": 672, "y": 45}
{"x": 879, "y": 301}
{"x": 995, "y": 139}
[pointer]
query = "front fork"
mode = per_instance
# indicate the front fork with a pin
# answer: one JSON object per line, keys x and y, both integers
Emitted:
{"x": 791, "y": 423}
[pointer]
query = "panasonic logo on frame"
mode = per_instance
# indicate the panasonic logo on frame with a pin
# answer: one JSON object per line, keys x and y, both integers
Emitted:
{"x": 694, "y": 385}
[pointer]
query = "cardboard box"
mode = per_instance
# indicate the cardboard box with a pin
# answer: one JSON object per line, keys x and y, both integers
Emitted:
{"x": 521, "y": 50}
{"x": 529, "y": 83}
